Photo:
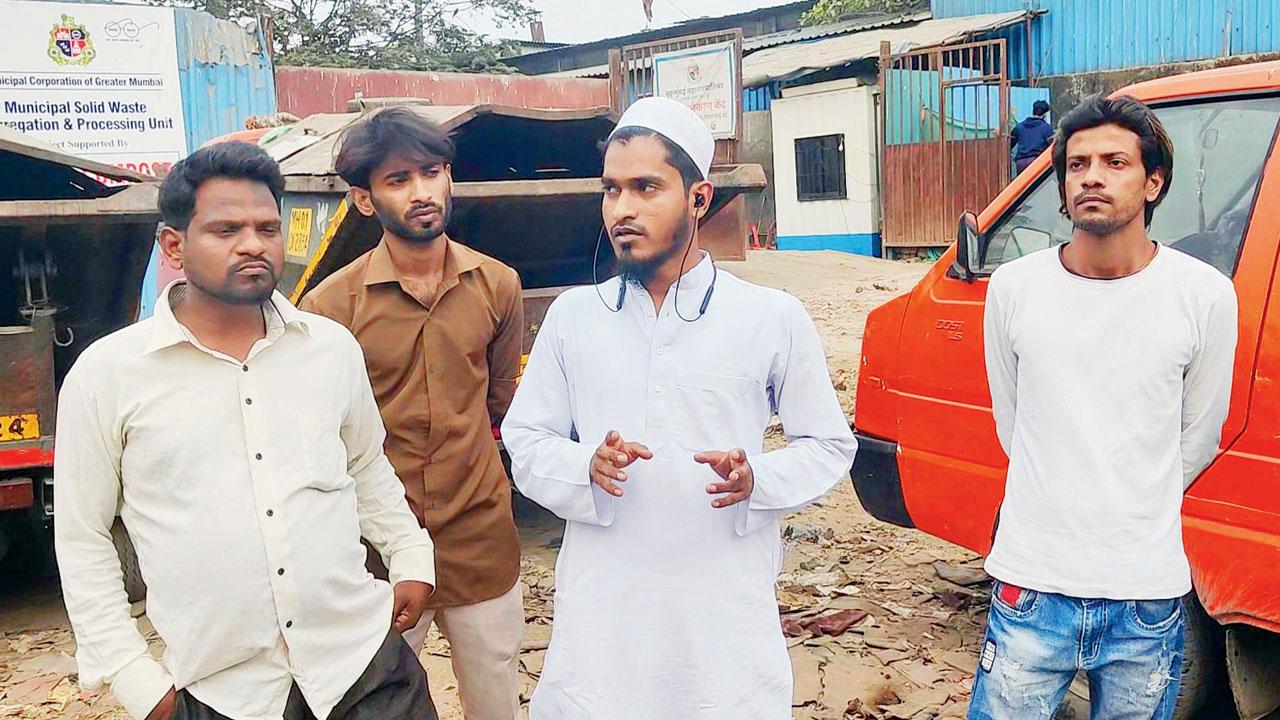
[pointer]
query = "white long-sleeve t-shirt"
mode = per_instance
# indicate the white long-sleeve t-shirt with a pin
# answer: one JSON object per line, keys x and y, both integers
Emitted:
{"x": 1109, "y": 398}
{"x": 665, "y": 606}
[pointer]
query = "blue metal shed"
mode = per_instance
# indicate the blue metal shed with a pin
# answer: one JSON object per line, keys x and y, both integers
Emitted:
{"x": 226, "y": 75}
{"x": 1077, "y": 36}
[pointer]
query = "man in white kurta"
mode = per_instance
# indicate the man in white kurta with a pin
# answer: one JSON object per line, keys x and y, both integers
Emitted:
{"x": 665, "y": 606}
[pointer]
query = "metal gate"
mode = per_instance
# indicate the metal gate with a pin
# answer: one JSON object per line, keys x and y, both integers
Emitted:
{"x": 631, "y": 76}
{"x": 944, "y": 139}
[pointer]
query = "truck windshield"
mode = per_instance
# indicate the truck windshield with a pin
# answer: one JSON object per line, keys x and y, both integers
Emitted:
{"x": 1219, "y": 151}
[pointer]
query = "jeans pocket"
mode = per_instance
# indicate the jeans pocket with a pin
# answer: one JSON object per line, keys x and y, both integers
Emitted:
{"x": 1014, "y": 601}
{"x": 1156, "y": 615}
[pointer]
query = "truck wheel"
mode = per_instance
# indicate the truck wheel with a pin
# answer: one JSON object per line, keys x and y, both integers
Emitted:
{"x": 1204, "y": 662}
{"x": 134, "y": 586}
{"x": 1201, "y": 668}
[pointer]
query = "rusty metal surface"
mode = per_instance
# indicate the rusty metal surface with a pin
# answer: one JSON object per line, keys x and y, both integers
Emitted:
{"x": 16, "y": 494}
{"x": 26, "y": 372}
{"x": 305, "y": 91}
{"x": 944, "y": 138}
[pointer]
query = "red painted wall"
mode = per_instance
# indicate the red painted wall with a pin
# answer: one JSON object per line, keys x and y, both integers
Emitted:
{"x": 305, "y": 91}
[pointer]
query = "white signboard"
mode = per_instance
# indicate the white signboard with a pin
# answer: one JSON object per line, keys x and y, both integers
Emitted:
{"x": 98, "y": 81}
{"x": 704, "y": 79}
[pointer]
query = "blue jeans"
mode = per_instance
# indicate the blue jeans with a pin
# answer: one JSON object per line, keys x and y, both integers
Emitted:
{"x": 1036, "y": 642}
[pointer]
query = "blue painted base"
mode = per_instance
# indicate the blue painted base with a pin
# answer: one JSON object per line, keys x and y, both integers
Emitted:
{"x": 857, "y": 244}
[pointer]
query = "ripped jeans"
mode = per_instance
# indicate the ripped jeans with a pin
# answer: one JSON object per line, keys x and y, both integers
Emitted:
{"x": 1035, "y": 643}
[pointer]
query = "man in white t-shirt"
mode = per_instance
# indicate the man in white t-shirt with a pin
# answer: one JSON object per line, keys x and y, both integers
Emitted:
{"x": 1110, "y": 362}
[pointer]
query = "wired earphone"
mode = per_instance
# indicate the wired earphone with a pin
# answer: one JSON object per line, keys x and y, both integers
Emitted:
{"x": 698, "y": 202}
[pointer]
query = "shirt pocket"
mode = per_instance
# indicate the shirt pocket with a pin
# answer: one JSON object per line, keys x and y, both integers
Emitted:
{"x": 324, "y": 455}
{"x": 710, "y": 408}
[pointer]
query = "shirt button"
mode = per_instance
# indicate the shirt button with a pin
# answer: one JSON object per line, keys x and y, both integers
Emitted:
{"x": 661, "y": 351}
{"x": 248, "y": 401}
{"x": 271, "y": 513}
{"x": 289, "y": 624}
{"x": 244, "y": 368}
{"x": 658, "y": 390}
{"x": 258, "y": 456}
{"x": 280, "y": 571}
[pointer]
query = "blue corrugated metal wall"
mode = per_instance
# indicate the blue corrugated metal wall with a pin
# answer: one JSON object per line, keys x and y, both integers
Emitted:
{"x": 760, "y": 98}
{"x": 1076, "y": 36}
{"x": 225, "y": 76}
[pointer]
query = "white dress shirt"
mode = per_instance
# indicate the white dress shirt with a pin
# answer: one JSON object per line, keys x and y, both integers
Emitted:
{"x": 246, "y": 488}
{"x": 665, "y": 606}
{"x": 1109, "y": 398}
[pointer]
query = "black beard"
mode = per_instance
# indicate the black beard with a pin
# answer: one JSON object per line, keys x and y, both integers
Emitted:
{"x": 401, "y": 229}
{"x": 1101, "y": 227}
{"x": 227, "y": 294}
{"x": 640, "y": 272}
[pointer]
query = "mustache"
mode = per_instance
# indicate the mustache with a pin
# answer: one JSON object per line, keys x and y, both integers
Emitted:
{"x": 1080, "y": 197}
{"x": 425, "y": 208}
{"x": 620, "y": 228}
{"x": 254, "y": 262}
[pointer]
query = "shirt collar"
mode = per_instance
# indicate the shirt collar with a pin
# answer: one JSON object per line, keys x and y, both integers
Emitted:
{"x": 278, "y": 312}
{"x": 699, "y": 276}
{"x": 458, "y": 260}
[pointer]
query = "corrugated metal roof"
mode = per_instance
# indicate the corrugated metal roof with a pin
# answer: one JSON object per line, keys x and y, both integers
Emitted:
{"x": 752, "y": 46}
{"x": 310, "y": 147}
{"x": 786, "y": 62}
{"x": 594, "y": 71}
{"x": 1075, "y": 36}
{"x": 816, "y": 32}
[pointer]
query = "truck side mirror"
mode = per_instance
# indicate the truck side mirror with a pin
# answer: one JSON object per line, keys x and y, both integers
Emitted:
{"x": 968, "y": 240}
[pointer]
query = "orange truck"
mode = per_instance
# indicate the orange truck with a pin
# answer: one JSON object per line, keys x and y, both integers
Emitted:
{"x": 929, "y": 457}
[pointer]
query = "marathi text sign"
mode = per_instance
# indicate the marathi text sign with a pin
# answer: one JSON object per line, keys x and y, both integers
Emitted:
{"x": 703, "y": 78}
{"x": 98, "y": 81}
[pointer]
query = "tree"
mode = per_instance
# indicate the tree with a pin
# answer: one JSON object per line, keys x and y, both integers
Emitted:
{"x": 383, "y": 34}
{"x": 830, "y": 11}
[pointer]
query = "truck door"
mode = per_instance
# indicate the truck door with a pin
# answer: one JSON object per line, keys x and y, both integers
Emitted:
{"x": 951, "y": 464}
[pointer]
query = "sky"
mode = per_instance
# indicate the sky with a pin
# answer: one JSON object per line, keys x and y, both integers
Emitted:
{"x": 579, "y": 21}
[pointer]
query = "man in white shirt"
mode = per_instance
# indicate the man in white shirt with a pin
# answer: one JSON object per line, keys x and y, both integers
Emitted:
{"x": 1110, "y": 362}
{"x": 640, "y": 420}
{"x": 240, "y": 442}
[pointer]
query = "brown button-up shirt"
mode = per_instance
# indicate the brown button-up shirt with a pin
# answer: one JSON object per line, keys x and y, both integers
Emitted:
{"x": 443, "y": 376}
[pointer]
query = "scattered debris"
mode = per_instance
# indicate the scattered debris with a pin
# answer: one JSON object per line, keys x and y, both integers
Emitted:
{"x": 962, "y": 575}
{"x": 882, "y": 623}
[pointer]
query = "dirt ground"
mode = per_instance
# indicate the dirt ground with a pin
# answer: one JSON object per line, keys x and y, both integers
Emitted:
{"x": 882, "y": 622}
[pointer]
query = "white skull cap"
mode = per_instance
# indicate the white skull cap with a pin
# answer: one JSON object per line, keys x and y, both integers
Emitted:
{"x": 677, "y": 123}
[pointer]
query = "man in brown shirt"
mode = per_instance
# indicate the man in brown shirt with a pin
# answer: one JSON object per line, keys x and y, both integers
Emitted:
{"x": 441, "y": 326}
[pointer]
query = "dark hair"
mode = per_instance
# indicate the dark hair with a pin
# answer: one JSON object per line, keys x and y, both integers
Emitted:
{"x": 1040, "y": 108}
{"x": 676, "y": 155}
{"x": 387, "y": 133}
{"x": 1127, "y": 113}
{"x": 231, "y": 160}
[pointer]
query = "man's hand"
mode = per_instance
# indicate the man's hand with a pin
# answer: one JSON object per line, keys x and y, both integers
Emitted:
{"x": 611, "y": 457}
{"x": 411, "y": 601}
{"x": 736, "y": 471}
{"x": 166, "y": 708}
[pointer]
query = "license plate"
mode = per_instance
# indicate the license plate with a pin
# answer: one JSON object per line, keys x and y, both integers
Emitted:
{"x": 19, "y": 427}
{"x": 299, "y": 232}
